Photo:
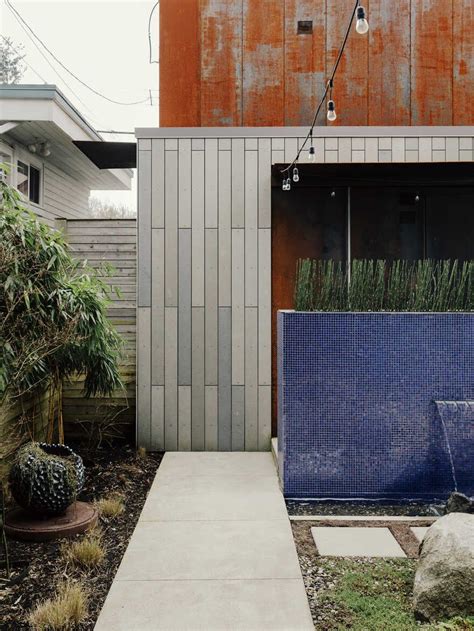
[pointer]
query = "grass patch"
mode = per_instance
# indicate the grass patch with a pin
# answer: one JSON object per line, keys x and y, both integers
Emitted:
{"x": 86, "y": 553}
{"x": 111, "y": 507}
{"x": 64, "y": 611}
{"x": 373, "y": 594}
{"x": 376, "y": 594}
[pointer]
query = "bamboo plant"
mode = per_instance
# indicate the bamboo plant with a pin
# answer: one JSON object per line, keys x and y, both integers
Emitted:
{"x": 53, "y": 320}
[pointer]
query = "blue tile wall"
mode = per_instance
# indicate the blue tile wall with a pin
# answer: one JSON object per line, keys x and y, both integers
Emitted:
{"x": 357, "y": 411}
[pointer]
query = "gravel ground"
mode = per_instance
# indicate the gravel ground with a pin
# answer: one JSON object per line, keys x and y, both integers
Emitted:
{"x": 412, "y": 509}
{"x": 37, "y": 567}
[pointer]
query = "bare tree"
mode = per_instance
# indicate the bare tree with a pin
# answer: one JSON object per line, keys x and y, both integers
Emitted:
{"x": 12, "y": 67}
{"x": 108, "y": 210}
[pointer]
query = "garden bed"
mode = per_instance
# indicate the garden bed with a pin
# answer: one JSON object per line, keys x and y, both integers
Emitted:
{"x": 362, "y": 594}
{"x": 38, "y": 567}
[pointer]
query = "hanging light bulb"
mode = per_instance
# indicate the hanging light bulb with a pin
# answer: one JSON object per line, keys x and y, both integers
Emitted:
{"x": 296, "y": 175}
{"x": 283, "y": 185}
{"x": 331, "y": 111}
{"x": 312, "y": 154}
{"x": 288, "y": 184}
{"x": 362, "y": 26}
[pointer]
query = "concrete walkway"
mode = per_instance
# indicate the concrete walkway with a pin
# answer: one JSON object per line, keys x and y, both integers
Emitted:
{"x": 212, "y": 550}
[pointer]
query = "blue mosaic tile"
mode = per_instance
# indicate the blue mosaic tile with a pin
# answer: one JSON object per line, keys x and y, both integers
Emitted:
{"x": 360, "y": 404}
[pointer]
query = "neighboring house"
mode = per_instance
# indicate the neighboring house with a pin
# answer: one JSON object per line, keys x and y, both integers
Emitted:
{"x": 218, "y": 237}
{"x": 37, "y": 128}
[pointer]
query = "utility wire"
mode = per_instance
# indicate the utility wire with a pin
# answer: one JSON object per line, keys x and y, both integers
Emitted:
{"x": 15, "y": 12}
{"x": 152, "y": 61}
{"x": 329, "y": 85}
{"x": 50, "y": 64}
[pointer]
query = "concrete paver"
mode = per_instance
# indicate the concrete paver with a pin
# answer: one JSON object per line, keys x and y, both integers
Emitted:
{"x": 213, "y": 549}
{"x": 356, "y": 542}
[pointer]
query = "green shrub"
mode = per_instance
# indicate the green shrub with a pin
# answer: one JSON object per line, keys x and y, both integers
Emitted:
{"x": 53, "y": 320}
{"x": 368, "y": 285}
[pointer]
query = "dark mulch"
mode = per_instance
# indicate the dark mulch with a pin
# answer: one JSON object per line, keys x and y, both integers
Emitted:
{"x": 37, "y": 567}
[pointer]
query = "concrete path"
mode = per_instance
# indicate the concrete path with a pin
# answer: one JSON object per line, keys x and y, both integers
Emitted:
{"x": 212, "y": 550}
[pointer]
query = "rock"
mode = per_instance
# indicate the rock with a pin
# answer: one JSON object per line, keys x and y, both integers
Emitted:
{"x": 445, "y": 576}
{"x": 459, "y": 503}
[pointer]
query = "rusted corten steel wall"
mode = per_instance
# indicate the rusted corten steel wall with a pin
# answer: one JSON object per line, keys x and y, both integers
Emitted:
{"x": 242, "y": 62}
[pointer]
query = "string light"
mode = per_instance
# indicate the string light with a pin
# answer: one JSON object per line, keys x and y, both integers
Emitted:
{"x": 296, "y": 175}
{"x": 312, "y": 152}
{"x": 331, "y": 105}
{"x": 362, "y": 27}
{"x": 331, "y": 111}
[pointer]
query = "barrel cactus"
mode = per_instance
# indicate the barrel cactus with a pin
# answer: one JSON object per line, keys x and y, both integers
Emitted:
{"x": 46, "y": 479}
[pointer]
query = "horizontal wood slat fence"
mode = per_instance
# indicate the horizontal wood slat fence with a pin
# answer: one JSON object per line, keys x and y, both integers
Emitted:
{"x": 111, "y": 241}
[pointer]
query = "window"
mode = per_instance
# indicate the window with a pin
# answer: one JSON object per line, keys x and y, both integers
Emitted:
{"x": 29, "y": 181}
{"x": 22, "y": 178}
{"x": 34, "y": 185}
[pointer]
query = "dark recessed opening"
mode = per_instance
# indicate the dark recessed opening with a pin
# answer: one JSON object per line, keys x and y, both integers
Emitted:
{"x": 305, "y": 27}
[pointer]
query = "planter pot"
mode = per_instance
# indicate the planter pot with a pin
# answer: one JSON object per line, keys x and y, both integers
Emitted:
{"x": 46, "y": 479}
{"x": 375, "y": 405}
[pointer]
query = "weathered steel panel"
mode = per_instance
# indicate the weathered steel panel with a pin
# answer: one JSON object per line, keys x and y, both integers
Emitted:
{"x": 221, "y": 62}
{"x": 389, "y": 63}
{"x": 263, "y": 63}
{"x": 180, "y": 63}
{"x": 463, "y": 61}
{"x": 432, "y": 62}
{"x": 351, "y": 83}
{"x": 305, "y": 63}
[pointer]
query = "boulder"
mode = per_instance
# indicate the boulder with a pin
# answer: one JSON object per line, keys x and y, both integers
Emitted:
{"x": 459, "y": 503}
{"x": 445, "y": 576}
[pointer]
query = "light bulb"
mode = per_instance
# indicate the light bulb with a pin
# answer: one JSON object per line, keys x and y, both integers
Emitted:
{"x": 288, "y": 184}
{"x": 333, "y": 194}
{"x": 362, "y": 26}
{"x": 283, "y": 185}
{"x": 312, "y": 154}
{"x": 331, "y": 111}
{"x": 296, "y": 175}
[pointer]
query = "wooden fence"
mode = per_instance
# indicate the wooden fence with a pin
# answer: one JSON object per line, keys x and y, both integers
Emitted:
{"x": 112, "y": 241}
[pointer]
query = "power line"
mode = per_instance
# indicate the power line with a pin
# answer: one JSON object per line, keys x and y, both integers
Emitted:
{"x": 152, "y": 61}
{"x": 49, "y": 63}
{"x": 15, "y": 12}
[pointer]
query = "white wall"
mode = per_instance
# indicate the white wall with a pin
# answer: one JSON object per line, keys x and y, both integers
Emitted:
{"x": 204, "y": 270}
{"x": 61, "y": 195}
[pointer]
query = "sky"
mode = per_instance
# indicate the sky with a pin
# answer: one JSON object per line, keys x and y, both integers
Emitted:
{"x": 105, "y": 43}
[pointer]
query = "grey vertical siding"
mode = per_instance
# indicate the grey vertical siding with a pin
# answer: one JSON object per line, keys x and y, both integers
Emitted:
{"x": 206, "y": 305}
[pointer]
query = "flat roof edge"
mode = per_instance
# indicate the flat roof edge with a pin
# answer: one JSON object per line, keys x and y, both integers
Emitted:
{"x": 48, "y": 92}
{"x": 300, "y": 132}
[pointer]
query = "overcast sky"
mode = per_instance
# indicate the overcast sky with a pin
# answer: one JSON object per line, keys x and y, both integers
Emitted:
{"x": 105, "y": 43}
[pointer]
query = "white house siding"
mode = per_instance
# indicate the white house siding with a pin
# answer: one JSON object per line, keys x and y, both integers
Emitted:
{"x": 204, "y": 270}
{"x": 62, "y": 196}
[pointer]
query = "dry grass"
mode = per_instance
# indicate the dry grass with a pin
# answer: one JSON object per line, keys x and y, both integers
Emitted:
{"x": 64, "y": 611}
{"x": 87, "y": 552}
{"x": 110, "y": 507}
{"x": 141, "y": 453}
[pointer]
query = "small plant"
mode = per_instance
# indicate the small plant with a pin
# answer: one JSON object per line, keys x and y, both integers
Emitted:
{"x": 111, "y": 507}
{"x": 64, "y": 611}
{"x": 141, "y": 453}
{"x": 87, "y": 552}
{"x": 426, "y": 286}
